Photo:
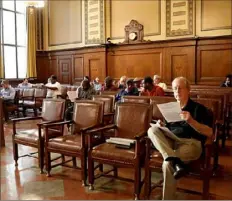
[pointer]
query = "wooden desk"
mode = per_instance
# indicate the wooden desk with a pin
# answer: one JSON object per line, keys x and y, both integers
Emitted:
{"x": 1, "y": 124}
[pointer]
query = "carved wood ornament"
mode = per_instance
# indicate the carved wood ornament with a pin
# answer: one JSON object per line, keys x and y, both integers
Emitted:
{"x": 134, "y": 33}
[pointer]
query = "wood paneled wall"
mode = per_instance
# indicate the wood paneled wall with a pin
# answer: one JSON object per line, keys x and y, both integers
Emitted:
{"x": 202, "y": 61}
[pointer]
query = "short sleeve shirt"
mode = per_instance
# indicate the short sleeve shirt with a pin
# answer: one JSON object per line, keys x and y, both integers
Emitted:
{"x": 199, "y": 113}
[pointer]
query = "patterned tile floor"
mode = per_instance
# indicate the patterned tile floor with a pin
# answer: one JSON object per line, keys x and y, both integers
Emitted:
{"x": 25, "y": 182}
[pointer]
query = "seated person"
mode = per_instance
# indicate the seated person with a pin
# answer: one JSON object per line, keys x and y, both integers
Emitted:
{"x": 227, "y": 82}
{"x": 8, "y": 95}
{"x": 150, "y": 89}
{"x": 138, "y": 83}
{"x": 85, "y": 91}
{"x": 157, "y": 82}
{"x": 188, "y": 136}
{"x": 122, "y": 82}
{"x": 130, "y": 90}
{"x": 108, "y": 85}
{"x": 25, "y": 84}
{"x": 97, "y": 85}
{"x": 53, "y": 88}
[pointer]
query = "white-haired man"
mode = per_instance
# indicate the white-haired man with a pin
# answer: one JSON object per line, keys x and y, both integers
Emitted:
{"x": 188, "y": 137}
{"x": 157, "y": 82}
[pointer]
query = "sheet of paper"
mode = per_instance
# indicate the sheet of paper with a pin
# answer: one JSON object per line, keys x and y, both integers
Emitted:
{"x": 72, "y": 95}
{"x": 166, "y": 132}
{"x": 123, "y": 139}
{"x": 118, "y": 142}
{"x": 170, "y": 111}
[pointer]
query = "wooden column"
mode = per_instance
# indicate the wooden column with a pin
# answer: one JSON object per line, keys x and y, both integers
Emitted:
{"x": 1, "y": 124}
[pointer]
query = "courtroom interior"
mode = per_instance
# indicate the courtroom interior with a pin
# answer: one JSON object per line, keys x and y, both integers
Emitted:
{"x": 116, "y": 99}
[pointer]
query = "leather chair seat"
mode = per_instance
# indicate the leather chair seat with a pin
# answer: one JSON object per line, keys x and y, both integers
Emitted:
{"x": 32, "y": 135}
{"x": 70, "y": 142}
{"x": 110, "y": 153}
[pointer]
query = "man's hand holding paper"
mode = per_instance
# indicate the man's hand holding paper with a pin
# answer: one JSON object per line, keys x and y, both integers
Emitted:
{"x": 171, "y": 111}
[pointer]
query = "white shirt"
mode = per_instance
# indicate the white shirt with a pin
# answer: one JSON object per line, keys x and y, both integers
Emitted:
{"x": 162, "y": 85}
{"x": 29, "y": 85}
{"x": 53, "y": 93}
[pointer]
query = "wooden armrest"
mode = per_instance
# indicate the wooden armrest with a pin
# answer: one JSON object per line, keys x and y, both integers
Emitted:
{"x": 25, "y": 119}
{"x": 140, "y": 135}
{"x": 110, "y": 126}
{"x": 53, "y": 123}
{"x": 87, "y": 128}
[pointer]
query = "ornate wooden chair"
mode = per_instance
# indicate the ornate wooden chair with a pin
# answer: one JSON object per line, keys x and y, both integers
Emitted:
{"x": 108, "y": 107}
{"x": 131, "y": 121}
{"x": 52, "y": 111}
{"x": 87, "y": 115}
{"x": 37, "y": 102}
{"x": 136, "y": 99}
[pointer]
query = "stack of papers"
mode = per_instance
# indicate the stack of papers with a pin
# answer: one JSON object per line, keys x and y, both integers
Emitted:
{"x": 121, "y": 141}
{"x": 170, "y": 111}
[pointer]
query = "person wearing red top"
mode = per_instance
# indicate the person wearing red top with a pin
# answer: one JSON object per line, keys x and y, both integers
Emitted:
{"x": 150, "y": 89}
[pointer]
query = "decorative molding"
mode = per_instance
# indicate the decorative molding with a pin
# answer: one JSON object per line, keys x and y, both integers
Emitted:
{"x": 134, "y": 28}
{"x": 179, "y": 13}
{"x": 148, "y": 34}
{"x": 170, "y": 13}
{"x": 214, "y": 28}
{"x": 68, "y": 43}
{"x": 179, "y": 22}
{"x": 179, "y": 4}
{"x": 94, "y": 36}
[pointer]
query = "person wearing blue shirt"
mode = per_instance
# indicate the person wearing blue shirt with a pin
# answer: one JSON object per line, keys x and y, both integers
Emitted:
{"x": 130, "y": 90}
{"x": 97, "y": 85}
{"x": 8, "y": 96}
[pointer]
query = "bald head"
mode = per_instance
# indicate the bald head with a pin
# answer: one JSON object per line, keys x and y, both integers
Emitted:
{"x": 181, "y": 89}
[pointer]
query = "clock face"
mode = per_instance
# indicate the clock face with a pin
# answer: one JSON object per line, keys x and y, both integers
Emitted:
{"x": 132, "y": 36}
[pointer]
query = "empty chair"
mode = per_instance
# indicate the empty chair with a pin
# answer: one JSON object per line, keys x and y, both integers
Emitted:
{"x": 131, "y": 121}
{"x": 52, "y": 111}
{"x": 87, "y": 115}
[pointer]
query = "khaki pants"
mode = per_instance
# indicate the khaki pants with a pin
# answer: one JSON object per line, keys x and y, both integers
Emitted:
{"x": 185, "y": 149}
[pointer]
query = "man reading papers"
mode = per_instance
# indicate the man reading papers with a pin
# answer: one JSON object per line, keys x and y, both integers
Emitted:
{"x": 181, "y": 141}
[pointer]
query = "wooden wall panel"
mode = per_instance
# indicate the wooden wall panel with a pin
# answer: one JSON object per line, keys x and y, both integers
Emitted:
{"x": 95, "y": 65}
{"x": 214, "y": 62}
{"x": 134, "y": 63}
{"x": 180, "y": 61}
{"x": 78, "y": 69}
{"x": 203, "y": 61}
{"x": 53, "y": 67}
{"x": 65, "y": 74}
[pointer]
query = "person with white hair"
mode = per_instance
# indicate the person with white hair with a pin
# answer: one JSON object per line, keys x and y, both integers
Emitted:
{"x": 188, "y": 137}
{"x": 122, "y": 82}
{"x": 157, "y": 82}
